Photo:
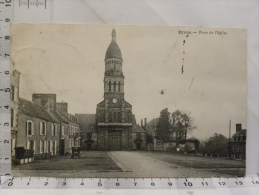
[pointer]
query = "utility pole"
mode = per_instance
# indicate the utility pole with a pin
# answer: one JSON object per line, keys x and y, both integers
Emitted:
{"x": 60, "y": 130}
{"x": 229, "y": 140}
{"x": 229, "y": 130}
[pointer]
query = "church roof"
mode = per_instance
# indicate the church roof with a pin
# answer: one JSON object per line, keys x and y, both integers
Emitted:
{"x": 113, "y": 50}
{"x": 87, "y": 121}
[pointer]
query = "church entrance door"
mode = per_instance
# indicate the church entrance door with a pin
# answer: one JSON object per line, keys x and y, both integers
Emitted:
{"x": 115, "y": 140}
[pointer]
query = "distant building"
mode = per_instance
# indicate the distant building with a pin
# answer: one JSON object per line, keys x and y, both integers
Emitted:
{"x": 237, "y": 144}
{"x": 138, "y": 136}
{"x": 88, "y": 132}
{"x": 14, "y": 99}
{"x": 151, "y": 129}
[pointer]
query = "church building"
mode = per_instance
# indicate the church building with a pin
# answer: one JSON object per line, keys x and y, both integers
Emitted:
{"x": 114, "y": 114}
{"x": 114, "y": 126}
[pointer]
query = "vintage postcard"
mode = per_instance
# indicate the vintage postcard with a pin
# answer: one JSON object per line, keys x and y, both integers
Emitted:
{"x": 128, "y": 101}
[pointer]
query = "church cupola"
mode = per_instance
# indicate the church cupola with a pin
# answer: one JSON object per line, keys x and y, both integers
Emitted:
{"x": 113, "y": 50}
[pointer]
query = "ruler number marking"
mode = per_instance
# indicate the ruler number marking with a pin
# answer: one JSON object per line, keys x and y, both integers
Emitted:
{"x": 188, "y": 184}
{"x": 204, "y": 183}
{"x": 222, "y": 183}
{"x": 6, "y": 141}
{"x": 239, "y": 183}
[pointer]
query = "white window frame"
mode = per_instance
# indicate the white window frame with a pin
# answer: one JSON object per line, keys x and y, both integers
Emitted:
{"x": 53, "y": 129}
{"x": 32, "y": 127}
{"x": 43, "y": 131}
{"x": 41, "y": 146}
{"x": 34, "y": 146}
{"x": 55, "y": 148}
{"x": 45, "y": 146}
{"x": 63, "y": 130}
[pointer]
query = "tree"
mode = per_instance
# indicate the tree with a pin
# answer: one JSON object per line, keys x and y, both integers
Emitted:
{"x": 182, "y": 124}
{"x": 163, "y": 126}
{"x": 149, "y": 139}
{"x": 217, "y": 145}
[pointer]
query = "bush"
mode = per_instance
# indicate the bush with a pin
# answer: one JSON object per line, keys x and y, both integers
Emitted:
{"x": 19, "y": 152}
{"x": 29, "y": 154}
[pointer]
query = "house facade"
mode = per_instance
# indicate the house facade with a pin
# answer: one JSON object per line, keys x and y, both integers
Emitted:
{"x": 237, "y": 144}
{"x": 37, "y": 129}
{"x": 14, "y": 100}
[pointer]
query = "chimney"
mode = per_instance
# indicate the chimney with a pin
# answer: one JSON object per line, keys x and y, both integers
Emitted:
{"x": 145, "y": 122}
{"x": 62, "y": 106}
{"x": 46, "y": 100}
{"x": 141, "y": 122}
{"x": 238, "y": 127}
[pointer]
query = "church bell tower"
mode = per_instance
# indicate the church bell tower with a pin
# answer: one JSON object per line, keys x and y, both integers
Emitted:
{"x": 114, "y": 114}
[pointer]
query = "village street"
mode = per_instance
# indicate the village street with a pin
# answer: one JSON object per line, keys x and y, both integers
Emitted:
{"x": 132, "y": 164}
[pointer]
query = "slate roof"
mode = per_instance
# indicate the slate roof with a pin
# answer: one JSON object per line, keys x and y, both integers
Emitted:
{"x": 35, "y": 110}
{"x": 57, "y": 114}
{"x": 136, "y": 128}
{"x": 87, "y": 122}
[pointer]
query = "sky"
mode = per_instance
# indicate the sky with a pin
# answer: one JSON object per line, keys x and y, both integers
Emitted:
{"x": 68, "y": 60}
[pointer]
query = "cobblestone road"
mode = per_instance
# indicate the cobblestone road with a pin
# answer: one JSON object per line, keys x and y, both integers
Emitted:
{"x": 137, "y": 164}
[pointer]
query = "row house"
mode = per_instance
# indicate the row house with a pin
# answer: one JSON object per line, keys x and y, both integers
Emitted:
{"x": 37, "y": 129}
{"x": 72, "y": 129}
{"x": 69, "y": 136}
{"x": 44, "y": 128}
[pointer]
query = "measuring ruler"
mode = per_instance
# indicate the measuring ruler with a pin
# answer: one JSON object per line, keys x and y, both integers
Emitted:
{"x": 6, "y": 18}
{"x": 130, "y": 183}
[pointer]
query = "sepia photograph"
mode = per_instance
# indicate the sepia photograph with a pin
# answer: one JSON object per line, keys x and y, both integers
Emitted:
{"x": 112, "y": 101}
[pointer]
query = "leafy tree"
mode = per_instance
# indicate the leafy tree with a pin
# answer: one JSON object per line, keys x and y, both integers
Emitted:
{"x": 182, "y": 124}
{"x": 149, "y": 139}
{"x": 164, "y": 126}
{"x": 216, "y": 144}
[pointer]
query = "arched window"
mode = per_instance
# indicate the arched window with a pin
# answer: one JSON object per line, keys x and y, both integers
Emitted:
{"x": 114, "y": 66}
{"x": 110, "y": 86}
{"x": 130, "y": 117}
{"x": 119, "y": 117}
{"x": 114, "y": 117}
{"x": 100, "y": 117}
{"x": 114, "y": 86}
{"x": 110, "y": 116}
{"x": 119, "y": 86}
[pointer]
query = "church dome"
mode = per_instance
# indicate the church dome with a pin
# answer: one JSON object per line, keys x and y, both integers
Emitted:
{"x": 113, "y": 50}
